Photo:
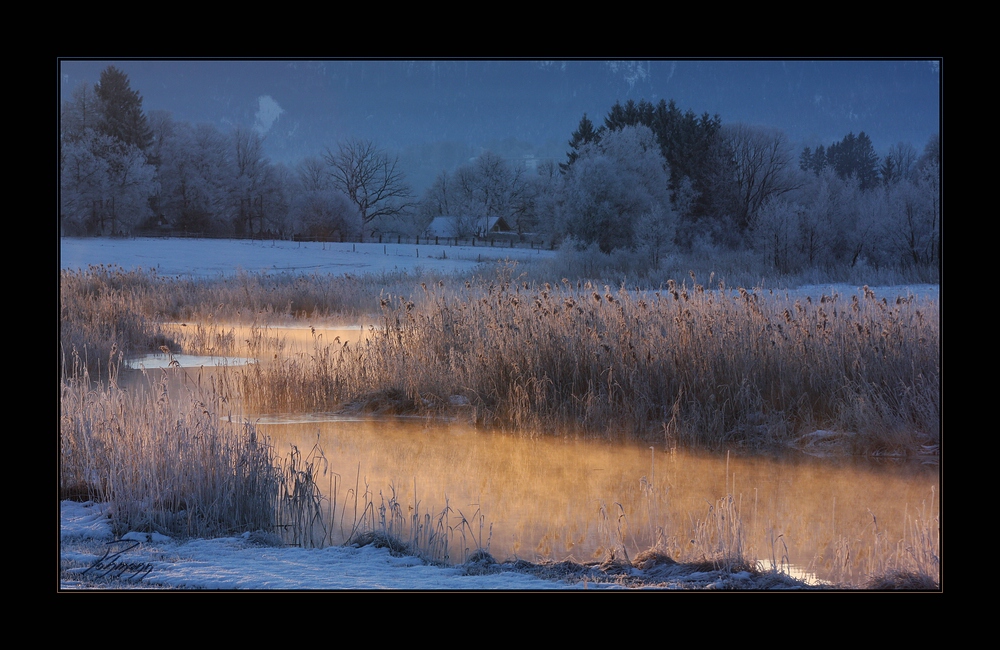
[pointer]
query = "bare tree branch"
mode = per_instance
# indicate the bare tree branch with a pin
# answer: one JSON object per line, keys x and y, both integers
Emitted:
{"x": 758, "y": 163}
{"x": 370, "y": 178}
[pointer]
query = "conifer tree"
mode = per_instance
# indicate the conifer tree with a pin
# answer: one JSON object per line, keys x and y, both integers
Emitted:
{"x": 584, "y": 134}
{"x": 855, "y": 156}
{"x": 122, "y": 117}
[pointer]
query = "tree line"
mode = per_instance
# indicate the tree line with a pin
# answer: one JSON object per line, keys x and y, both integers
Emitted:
{"x": 124, "y": 171}
{"x": 651, "y": 178}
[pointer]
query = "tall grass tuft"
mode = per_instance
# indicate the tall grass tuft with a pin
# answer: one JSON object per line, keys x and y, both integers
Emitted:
{"x": 106, "y": 313}
{"x": 302, "y": 518}
{"x": 438, "y": 537}
{"x": 914, "y": 561}
{"x": 173, "y": 468}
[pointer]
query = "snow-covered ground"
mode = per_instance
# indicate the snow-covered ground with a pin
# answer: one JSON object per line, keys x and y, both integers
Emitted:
{"x": 213, "y": 257}
{"x": 210, "y": 257}
{"x": 243, "y": 562}
{"x": 91, "y": 557}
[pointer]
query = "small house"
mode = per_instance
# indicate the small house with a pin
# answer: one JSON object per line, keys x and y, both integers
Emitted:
{"x": 462, "y": 227}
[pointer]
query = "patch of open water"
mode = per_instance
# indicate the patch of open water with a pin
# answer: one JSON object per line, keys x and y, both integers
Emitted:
{"x": 556, "y": 498}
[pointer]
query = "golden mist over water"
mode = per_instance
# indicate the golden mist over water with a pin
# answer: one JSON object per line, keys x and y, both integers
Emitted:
{"x": 544, "y": 496}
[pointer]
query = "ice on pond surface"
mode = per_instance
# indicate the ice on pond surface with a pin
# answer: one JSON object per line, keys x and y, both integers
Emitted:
{"x": 152, "y": 361}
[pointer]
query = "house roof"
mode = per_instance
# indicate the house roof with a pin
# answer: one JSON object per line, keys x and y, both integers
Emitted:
{"x": 459, "y": 226}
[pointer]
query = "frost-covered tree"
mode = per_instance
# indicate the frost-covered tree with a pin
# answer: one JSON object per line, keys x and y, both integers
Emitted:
{"x": 913, "y": 227}
{"x": 775, "y": 233}
{"x": 106, "y": 181}
{"x": 81, "y": 113}
{"x": 195, "y": 177}
{"x": 249, "y": 168}
{"x": 132, "y": 182}
{"x": 494, "y": 187}
{"x": 545, "y": 188}
{"x": 276, "y": 201}
{"x": 318, "y": 209}
{"x": 898, "y": 163}
{"x": 616, "y": 193}
{"x": 828, "y": 215}
{"x": 83, "y": 184}
{"x": 105, "y": 186}
{"x": 437, "y": 199}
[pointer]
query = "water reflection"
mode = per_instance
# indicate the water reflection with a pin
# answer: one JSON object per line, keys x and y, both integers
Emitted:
{"x": 553, "y": 498}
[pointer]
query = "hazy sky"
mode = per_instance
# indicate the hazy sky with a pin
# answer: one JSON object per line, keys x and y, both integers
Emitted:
{"x": 531, "y": 106}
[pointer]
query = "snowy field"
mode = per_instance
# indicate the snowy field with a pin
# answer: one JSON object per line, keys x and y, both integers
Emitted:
{"x": 242, "y": 562}
{"x": 212, "y": 257}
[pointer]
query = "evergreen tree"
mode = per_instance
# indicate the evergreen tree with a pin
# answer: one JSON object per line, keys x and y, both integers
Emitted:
{"x": 584, "y": 134}
{"x": 888, "y": 171}
{"x": 855, "y": 156}
{"x": 122, "y": 117}
{"x": 819, "y": 160}
{"x": 866, "y": 162}
{"x": 806, "y": 159}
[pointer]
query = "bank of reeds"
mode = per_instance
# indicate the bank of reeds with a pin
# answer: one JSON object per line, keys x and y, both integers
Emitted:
{"x": 737, "y": 268}
{"x": 688, "y": 364}
{"x": 106, "y": 313}
{"x": 242, "y": 296}
{"x": 105, "y": 308}
{"x": 177, "y": 466}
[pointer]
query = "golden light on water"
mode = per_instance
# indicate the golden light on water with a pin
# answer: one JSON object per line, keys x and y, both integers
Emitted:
{"x": 546, "y": 497}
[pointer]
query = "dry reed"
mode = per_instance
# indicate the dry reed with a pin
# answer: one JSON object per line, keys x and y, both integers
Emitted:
{"x": 173, "y": 468}
{"x": 696, "y": 366}
{"x": 105, "y": 313}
